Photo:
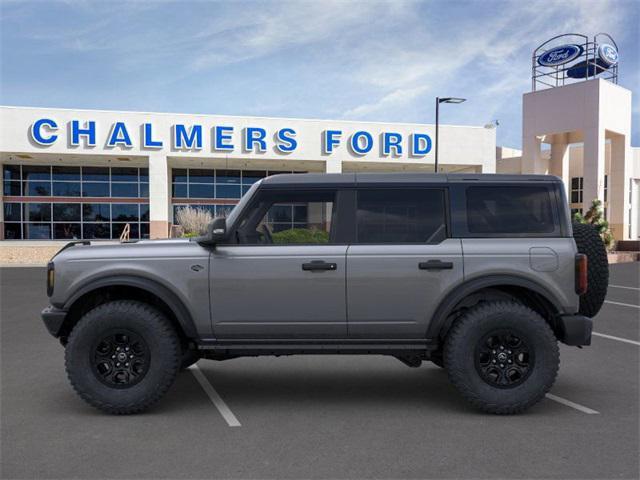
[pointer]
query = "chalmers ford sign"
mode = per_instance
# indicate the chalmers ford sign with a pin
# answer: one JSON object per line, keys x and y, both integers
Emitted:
{"x": 45, "y": 132}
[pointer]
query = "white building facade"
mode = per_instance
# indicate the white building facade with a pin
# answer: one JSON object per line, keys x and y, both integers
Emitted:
{"x": 86, "y": 174}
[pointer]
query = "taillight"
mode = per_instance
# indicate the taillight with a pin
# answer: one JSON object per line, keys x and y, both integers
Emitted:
{"x": 582, "y": 281}
{"x": 51, "y": 274}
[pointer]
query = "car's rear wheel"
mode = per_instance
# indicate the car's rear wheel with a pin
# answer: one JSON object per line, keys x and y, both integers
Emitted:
{"x": 502, "y": 356}
{"x": 122, "y": 356}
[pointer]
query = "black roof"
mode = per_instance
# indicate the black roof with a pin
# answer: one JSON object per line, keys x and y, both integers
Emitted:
{"x": 352, "y": 179}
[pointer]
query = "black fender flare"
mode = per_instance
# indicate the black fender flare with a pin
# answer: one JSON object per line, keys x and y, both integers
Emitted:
{"x": 459, "y": 293}
{"x": 175, "y": 304}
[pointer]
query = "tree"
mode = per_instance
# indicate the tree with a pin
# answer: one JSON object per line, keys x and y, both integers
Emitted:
{"x": 595, "y": 217}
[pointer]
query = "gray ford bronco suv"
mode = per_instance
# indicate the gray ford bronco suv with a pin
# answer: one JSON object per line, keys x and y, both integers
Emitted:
{"x": 480, "y": 274}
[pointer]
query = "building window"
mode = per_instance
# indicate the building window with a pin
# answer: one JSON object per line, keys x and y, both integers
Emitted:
{"x": 63, "y": 212}
{"x": 202, "y": 185}
{"x": 576, "y": 189}
{"x": 606, "y": 187}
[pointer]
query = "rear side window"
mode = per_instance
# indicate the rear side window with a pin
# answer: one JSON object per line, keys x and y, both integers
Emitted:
{"x": 510, "y": 210}
{"x": 401, "y": 216}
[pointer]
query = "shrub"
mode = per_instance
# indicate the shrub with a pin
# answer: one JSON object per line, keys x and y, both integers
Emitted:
{"x": 301, "y": 235}
{"x": 194, "y": 221}
{"x": 595, "y": 217}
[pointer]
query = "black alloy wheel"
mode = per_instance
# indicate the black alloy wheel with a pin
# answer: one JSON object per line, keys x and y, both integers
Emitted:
{"x": 504, "y": 359}
{"x": 120, "y": 359}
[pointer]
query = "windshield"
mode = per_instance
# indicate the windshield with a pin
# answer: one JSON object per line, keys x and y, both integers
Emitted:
{"x": 233, "y": 215}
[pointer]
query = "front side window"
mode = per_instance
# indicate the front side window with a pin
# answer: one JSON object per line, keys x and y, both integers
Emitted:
{"x": 401, "y": 216}
{"x": 510, "y": 210}
{"x": 289, "y": 218}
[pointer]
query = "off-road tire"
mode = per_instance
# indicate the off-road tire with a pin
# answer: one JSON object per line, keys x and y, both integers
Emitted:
{"x": 147, "y": 323}
{"x": 589, "y": 242}
{"x": 468, "y": 332}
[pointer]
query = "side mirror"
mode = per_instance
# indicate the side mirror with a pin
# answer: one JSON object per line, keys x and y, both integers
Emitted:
{"x": 217, "y": 232}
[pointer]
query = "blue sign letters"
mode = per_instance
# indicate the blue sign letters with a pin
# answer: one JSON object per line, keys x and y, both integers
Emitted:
{"x": 286, "y": 140}
{"x": 183, "y": 139}
{"x": 222, "y": 135}
{"x": 119, "y": 136}
{"x": 147, "y": 138}
{"x": 36, "y": 131}
{"x": 357, "y": 146}
{"x": 89, "y": 132}
{"x": 255, "y": 136}
{"x": 420, "y": 144}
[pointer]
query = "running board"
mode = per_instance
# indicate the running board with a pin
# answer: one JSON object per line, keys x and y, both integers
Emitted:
{"x": 315, "y": 346}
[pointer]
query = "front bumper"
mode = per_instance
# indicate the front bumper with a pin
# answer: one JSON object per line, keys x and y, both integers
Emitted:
{"x": 575, "y": 330}
{"x": 53, "y": 319}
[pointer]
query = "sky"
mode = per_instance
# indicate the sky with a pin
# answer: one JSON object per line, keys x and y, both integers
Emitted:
{"x": 352, "y": 60}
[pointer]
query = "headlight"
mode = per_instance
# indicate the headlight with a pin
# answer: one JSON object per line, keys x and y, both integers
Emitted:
{"x": 51, "y": 276}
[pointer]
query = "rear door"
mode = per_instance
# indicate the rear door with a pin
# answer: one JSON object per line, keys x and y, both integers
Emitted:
{"x": 401, "y": 263}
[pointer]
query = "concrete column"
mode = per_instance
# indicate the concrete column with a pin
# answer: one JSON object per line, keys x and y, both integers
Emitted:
{"x": 333, "y": 165}
{"x": 532, "y": 155}
{"x": 619, "y": 186}
{"x": 559, "y": 161}
{"x": 593, "y": 166}
{"x": 159, "y": 196}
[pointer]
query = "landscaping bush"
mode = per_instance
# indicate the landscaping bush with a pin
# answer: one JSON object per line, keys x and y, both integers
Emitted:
{"x": 301, "y": 235}
{"x": 194, "y": 221}
{"x": 595, "y": 217}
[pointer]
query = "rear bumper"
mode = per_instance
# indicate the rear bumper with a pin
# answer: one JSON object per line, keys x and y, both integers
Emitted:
{"x": 53, "y": 319}
{"x": 575, "y": 330}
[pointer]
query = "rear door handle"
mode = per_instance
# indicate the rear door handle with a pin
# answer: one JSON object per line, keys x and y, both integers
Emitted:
{"x": 319, "y": 266}
{"x": 435, "y": 265}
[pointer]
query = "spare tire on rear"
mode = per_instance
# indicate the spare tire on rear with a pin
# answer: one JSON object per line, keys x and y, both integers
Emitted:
{"x": 589, "y": 242}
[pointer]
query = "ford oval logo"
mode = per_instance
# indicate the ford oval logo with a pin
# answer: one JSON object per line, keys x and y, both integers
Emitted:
{"x": 560, "y": 55}
{"x": 608, "y": 54}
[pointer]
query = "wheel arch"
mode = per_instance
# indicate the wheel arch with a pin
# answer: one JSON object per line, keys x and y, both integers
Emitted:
{"x": 131, "y": 287}
{"x": 519, "y": 288}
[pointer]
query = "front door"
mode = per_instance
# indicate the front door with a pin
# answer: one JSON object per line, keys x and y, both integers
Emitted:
{"x": 401, "y": 263}
{"x": 285, "y": 277}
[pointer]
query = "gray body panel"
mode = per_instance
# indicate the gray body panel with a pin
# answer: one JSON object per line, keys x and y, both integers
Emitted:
{"x": 388, "y": 296}
{"x": 262, "y": 292}
{"x": 547, "y": 262}
{"x": 167, "y": 263}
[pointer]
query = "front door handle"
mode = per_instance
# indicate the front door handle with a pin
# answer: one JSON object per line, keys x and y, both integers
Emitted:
{"x": 319, "y": 266}
{"x": 435, "y": 265}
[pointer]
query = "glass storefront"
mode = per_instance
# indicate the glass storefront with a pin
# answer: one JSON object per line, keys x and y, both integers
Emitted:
{"x": 200, "y": 187}
{"x": 76, "y": 203}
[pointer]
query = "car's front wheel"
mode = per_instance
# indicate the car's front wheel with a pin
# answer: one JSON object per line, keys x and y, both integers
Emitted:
{"x": 122, "y": 356}
{"x": 502, "y": 356}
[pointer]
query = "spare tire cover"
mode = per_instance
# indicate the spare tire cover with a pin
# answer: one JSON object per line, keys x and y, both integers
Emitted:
{"x": 589, "y": 242}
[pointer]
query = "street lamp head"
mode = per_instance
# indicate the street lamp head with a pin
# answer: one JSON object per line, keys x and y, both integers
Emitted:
{"x": 451, "y": 100}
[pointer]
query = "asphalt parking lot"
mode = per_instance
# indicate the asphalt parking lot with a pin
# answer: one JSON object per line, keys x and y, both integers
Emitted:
{"x": 320, "y": 416}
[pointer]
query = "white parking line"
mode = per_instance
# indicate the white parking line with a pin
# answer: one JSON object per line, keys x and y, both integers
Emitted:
{"x": 222, "y": 407}
{"x": 619, "y": 339}
{"x": 622, "y": 304}
{"x": 626, "y": 288}
{"x": 571, "y": 404}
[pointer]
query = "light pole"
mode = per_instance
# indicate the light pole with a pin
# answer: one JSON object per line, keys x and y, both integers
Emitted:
{"x": 438, "y": 102}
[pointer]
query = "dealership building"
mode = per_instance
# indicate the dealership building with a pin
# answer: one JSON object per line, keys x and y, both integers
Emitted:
{"x": 90, "y": 174}
{"x": 87, "y": 174}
